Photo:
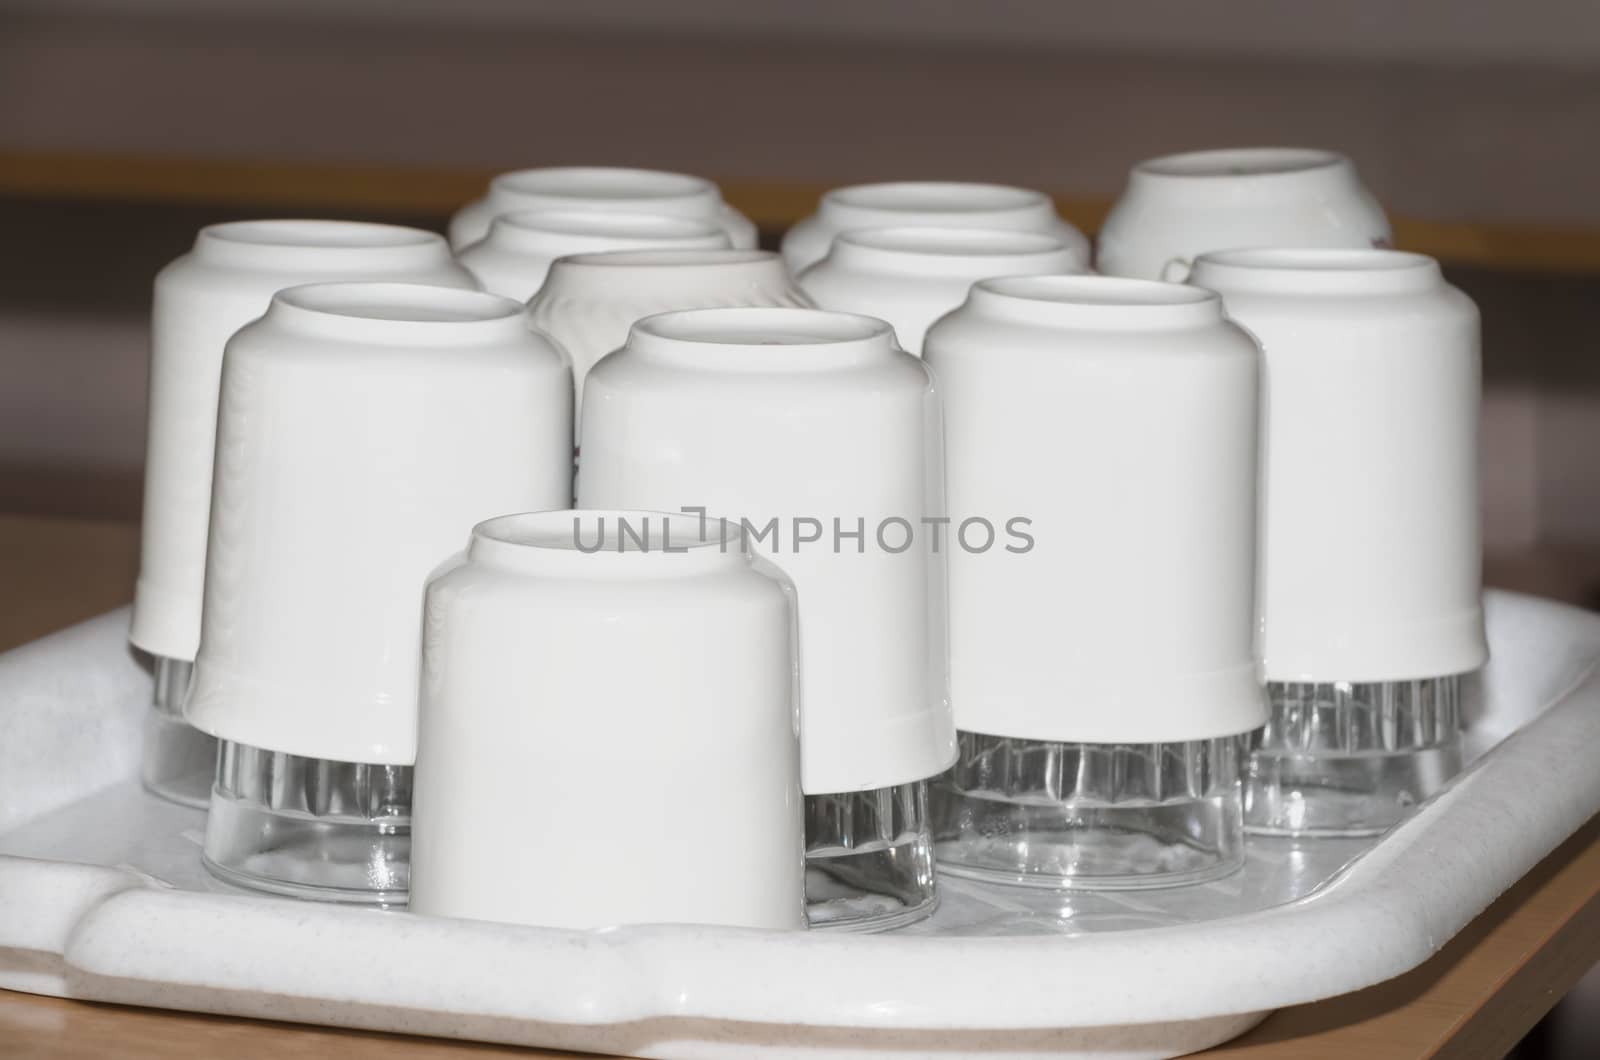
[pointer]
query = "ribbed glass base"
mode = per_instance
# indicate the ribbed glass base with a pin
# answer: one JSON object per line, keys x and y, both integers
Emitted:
{"x": 178, "y": 759}
{"x": 1348, "y": 758}
{"x": 310, "y": 827}
{"x": 1095, "y": 816}
{"x": 869, "y": 859}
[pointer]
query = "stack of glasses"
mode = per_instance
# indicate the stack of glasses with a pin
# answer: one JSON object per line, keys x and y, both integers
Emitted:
{"x": 921, "y": 548}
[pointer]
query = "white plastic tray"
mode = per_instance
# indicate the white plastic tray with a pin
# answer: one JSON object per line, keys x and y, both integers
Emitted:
{"x": 102, "y": 897}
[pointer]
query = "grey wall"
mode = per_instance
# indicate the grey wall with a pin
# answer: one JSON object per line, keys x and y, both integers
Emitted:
{"x": 1450, "y": 117}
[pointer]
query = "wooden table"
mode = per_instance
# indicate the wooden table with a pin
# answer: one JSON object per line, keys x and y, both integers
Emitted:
{"x": 1473, "y": 1000}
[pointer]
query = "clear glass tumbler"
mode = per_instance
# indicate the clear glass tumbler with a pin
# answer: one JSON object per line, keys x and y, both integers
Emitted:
{"x": 178, "y": 760}
{"x": 1351, "y": 758}
{"x": 869, "y": 858}
{"x": 310, "y": 827}
{"x": 1097, "y": 816}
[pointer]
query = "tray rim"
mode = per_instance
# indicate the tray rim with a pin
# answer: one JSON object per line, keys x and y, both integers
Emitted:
{"x": 1372, "y": 917}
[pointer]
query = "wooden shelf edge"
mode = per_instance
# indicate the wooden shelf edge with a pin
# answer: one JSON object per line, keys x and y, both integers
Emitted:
{"x": 771, "y": 204}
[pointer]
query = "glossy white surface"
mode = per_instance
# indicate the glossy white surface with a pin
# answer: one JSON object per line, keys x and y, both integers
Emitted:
{"x": 1372, "y": 558}
{"x": 363, "y": 429}
{"x": 608, "y": 731}
{"x": 913, "y": 276}
{"x": 201, "y": 299}
{"x": 1179, "y": 206}
{"x": 609, "y": 188}
{"x": 85, "y": 910}
{"x": 943, "y": 204}
{"x": 1119, "y": 417}
{"x": 514, "y": 257}
{"x": 790, "y": 416}
{"x": 589, "y": 301}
